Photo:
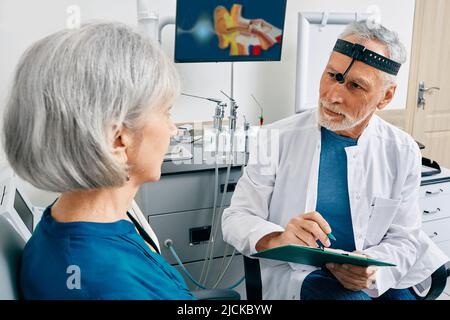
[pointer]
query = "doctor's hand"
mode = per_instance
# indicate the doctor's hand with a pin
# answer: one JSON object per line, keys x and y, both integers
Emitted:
{"x": 304, "y": 230}
{"x": 352, "y": 277}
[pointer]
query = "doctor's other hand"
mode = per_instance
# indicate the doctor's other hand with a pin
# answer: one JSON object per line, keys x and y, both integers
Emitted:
{"x": 352, "y": 277}
{"x": 304, "y": 230}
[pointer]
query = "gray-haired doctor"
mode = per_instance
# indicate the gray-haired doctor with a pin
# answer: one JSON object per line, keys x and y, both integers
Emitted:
{"x": 339, "y": 169}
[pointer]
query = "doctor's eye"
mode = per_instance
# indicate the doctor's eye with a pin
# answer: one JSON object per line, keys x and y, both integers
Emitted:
{"x": 354, "y": 85}
{"x": 331, "y": 75}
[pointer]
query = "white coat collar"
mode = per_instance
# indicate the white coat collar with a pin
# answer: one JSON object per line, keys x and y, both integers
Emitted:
{"x": 362, "y": 140}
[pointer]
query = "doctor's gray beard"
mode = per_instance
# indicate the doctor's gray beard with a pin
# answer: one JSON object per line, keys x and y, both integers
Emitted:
{"x": 346, "y": 123}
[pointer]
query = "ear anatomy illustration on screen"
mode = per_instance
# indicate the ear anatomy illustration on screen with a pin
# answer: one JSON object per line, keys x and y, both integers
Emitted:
{"x": 243, "y": 36}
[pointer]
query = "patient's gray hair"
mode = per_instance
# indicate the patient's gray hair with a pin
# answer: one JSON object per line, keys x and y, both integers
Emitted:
{"x": 365, "y": 30}
{"x": 69, "y": 90}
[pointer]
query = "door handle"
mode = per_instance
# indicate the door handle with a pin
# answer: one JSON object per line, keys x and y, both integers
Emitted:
{"x": 422, "y": 91}
{"x": 431, "y": 193}
{"x": 434, "y": 235}
{"x": 431, "y": 212}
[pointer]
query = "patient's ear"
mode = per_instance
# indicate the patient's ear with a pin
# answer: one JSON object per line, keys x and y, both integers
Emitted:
{"x": 120, "y": 140}
{"x": 388, "y": 96}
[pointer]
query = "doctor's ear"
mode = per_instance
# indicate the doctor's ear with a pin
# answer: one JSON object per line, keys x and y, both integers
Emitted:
{"x": 388, "y": 96}
{"x": 120, "y": 141}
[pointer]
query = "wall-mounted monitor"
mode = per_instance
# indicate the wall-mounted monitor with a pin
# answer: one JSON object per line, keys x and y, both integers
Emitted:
{"x": 229, "y": 30}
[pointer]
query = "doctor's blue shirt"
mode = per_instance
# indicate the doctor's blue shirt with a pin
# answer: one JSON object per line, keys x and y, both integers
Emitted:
{"x": 87, "y": 260}
{"x": 332, "y": 193}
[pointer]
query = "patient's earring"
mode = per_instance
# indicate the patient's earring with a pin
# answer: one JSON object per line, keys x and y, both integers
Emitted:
{"x": 128, "y": 174}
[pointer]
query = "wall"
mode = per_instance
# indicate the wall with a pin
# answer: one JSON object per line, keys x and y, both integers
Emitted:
{"x": 273, "y": 83}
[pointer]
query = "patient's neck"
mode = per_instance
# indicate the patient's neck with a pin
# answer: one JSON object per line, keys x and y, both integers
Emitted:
{"x": 97, "y": 205}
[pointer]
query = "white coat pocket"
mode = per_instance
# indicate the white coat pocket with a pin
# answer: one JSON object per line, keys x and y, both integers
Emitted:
{"x": 382, "y": 213}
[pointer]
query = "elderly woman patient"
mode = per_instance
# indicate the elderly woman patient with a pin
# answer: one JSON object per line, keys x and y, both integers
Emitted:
{"x": 89, "y": 117}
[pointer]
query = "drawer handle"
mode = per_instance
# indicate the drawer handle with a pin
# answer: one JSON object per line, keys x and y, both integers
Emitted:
{"x": 431, "y": 212}
{"x": 434, "y": 235}
{"x": 430, "y": 193}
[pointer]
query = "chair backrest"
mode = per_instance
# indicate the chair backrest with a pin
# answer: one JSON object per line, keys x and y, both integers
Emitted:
{"x": 437, "y": 286}
{"x": 253, "y": 283}
{"x": 11, "y": 246}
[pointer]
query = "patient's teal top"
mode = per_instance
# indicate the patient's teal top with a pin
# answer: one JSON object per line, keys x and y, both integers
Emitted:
{"x": 88, "y": 260}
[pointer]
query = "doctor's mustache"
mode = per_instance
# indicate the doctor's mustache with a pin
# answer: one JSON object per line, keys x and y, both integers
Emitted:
{"x": 331, "y": 107}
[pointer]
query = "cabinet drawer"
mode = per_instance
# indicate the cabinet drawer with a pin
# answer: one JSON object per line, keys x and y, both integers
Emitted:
{"x": 437, "y": 230}
{"x": 433, "y": 208}
{"x": 185, "y": 191}
{"x": 434, "y": 190}
{"x": 180, "y": 227}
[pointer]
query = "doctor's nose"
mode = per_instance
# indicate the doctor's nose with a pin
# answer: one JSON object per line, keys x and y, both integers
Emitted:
{"x": 334, "y": 93}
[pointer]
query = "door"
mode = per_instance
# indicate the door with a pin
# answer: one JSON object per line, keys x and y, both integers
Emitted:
{"x": 430, "y": 63}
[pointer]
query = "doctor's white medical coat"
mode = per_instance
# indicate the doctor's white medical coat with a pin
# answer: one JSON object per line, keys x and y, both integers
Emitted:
{"x": 384, "y": 173}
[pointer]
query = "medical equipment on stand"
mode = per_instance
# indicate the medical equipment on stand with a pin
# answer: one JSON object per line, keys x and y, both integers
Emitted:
{"x": 215, "y": 227}
{"x": 177, "y": 153}
{"x": 148, "y": 21}
{"x": 246, "y": 147}
{"x": 177, "y": 150}
{"x": 246, "y": 154}
{"x": 261, "y": 116}
{"x": 219, "y": 113}
{"x": 218, "y": 119}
